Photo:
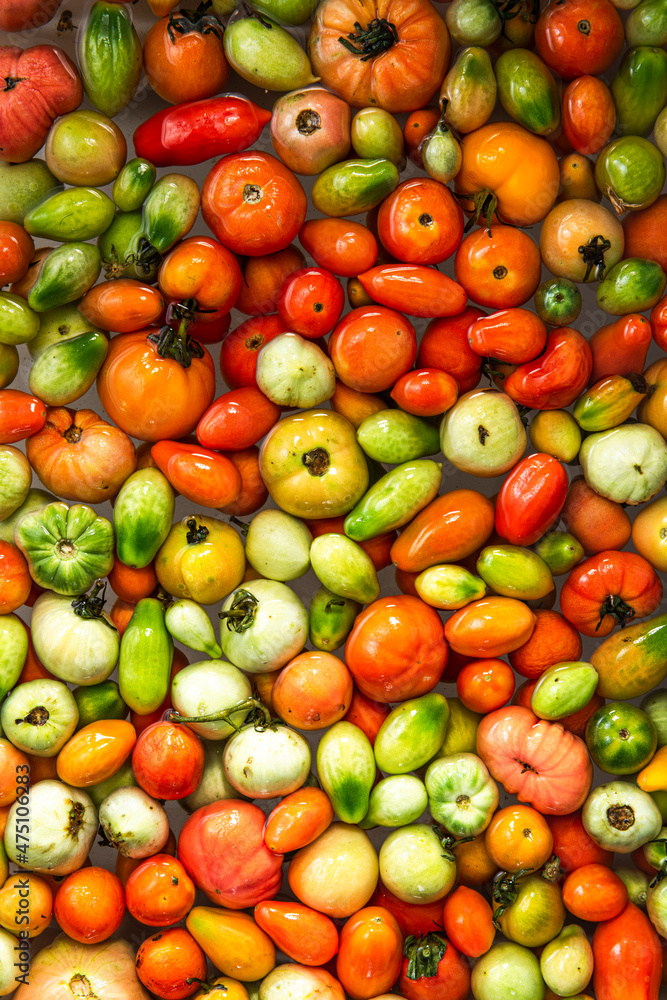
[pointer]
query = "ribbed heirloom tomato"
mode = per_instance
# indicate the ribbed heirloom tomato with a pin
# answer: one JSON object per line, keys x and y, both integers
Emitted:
{"x": 608, "y": 589}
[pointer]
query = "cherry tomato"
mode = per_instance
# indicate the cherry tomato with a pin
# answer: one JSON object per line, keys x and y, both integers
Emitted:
{"x": 21, "y": 415}
{"x": 310, "y": 302}
{"x": 485, "y": 685}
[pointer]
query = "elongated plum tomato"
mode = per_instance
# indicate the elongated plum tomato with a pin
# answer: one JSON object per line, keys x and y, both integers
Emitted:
{"x": 531, "y": 499}
{"x": 202, "y": 476}
{"x": 237, "y": 420}
{"x": 344, "y": 248}
{"x": 510, "y": 335}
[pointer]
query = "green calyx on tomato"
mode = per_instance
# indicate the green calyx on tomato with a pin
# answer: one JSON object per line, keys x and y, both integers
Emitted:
{"x": 423, "y": 954}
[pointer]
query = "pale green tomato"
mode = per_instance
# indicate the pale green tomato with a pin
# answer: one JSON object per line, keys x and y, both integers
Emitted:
{"x": 265, "y": 763}
{"x": 277, "y": 545}
{"x": 660, "y": 799}
{"x": 123, "y": 778}
{"x": 507, "y": 972}
{"x": 621, "y": 817}
{"x": 560, "y": 550}
{"x": 660, "y": 129}
{"x": 133, "y": 822}
{"x": 39, "y": 717}
{"x": 34, "y": 500}
{"x": 63, "y": 824}
{"x": 537, "y": 914}
{"x": 566, "y": 963}
{"x": 482, "y": 433}
{"x": 213, "y": 786}
{"x": 449, "y": 587}
{"x": 556, "y": 433}
{"x": 563, "y": 689}
{"x": 75, "y": 649}
{"x": 655, "y": 706}
{"x": 8, "y": 957}
{"x": 344, "y": 568}
{"x": 414, "y": 866}
{"x": 397, "y": 800}
{"x": 293, "y": 371}
{"x": 655, "y": 852}
{"x": 656, "y": 906}
{"x": 636, "y": 883}
{"x": 346, "y": 769}
{"x": 207, "y": 688}
{"x": 627, "y": 464}
{"x": 263, "y": 626}
{"x": 411, "y": 733}
{"x": 515, "y": 571}
{"x": 15, "y": 479}
{"x": 187, "y": 622}
{"x": 461, "y": 735}
{"x": 462, "y": 795}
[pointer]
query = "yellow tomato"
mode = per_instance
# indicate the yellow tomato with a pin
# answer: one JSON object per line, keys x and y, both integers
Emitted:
{"x": 649, "y": 533}
{"x": 96, "y": 752}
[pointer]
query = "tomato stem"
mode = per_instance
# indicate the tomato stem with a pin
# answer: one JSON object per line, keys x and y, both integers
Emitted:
{"x": 241, "y": 613}
{"x": 224, "y": 715}
{"x": 618, "y": 609}
{"x": 593, "y": 256}
{"x": 372, "y": 41}
{"x": 185, "y": 21}
{"x": 91, "y": 606}
{"x": 424, "y": 954}
{"x": 196, "y": 533}
{"x": 485, "y": 203}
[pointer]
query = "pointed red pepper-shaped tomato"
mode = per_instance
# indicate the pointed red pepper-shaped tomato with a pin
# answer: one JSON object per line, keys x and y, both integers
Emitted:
{"x": 531, "y": 499}
{"x": 628, "y": 957}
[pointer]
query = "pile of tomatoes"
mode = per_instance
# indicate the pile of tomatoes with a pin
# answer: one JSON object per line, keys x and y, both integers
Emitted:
{"x": 417, "y": 727}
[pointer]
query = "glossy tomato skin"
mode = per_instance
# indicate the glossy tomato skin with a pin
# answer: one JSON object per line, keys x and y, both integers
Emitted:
{"x": 310, "y": 302}
{"x": 621, "y": 347}
{"x": 237, "y": 419}
{"x": 531, "y": 499}
{"x": 628, "y": 957}
{"x": 342, "y": 247}
{"x": 303, "y": 934}
{"x": 239, "y": 349}
{"x": 202, "y": 476}
{"x": 578, "y": 37}
{"x": 253, "y": 203}
{"x": 501, "y": 270}
{"x": 587, "y": 596}
{"x": 168, "y": 761}
{"x": 152, "y": 397}
{"x": 20, "y": 415}
{"x": 589, "y": 114}
{"x": 200, "y": 268}
{"x": 426, "y": 392}
{"x": 412, "y": 918}
{"x": 573, "y": 845}
{"x": 445, "y": 346}
{"x": 420, "y": 222}
{"x": 557, "y": 377}
{"x": 372, "y": 347}
{"x": 185, "y": 66}
{"x": 370, "y": 953}
{"x": 452, "y": 979}
{"x": 510, "y": 335}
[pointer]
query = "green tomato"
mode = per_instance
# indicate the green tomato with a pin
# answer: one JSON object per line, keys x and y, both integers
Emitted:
{"x": 621, "y": 817}
{"x": 65, "y": 371}
{"x": 411, "y": 733}
{"x": 563, "y": 689}
{"x": 441, "y": 153}
{"x": 354, "y": 186}
{"x": 627, "y": 464}
{"x": 39, "y": 717}
{"x": 449, "y": 587}
{"x": 656, "y": 906}
{"x": 346, "y": 769}
{"x": 647, "y": 24}
{"x": 209, "y": 688}
{"x": 15, "y": 479}
{"x": 377, "y": 135}
{"x": 75, "y": 640}
{"x": 263, "y": 626}
{"x": 278, "y": 545}
{"x": 13, "y": 651}
{"x": 514, "y": 571}
{"x": 507, "y": 972}
{"x": 9, "y": 364}
{"x": 330, "y": 619}
{"x": 462, "y": 795}
{"x": 395, "y": 801}
{"x": 18, "y": 322}
{"x": 636, "y": 882}
{"x": 169, "y": 211}
{"x": 35, "y": 500}
{"x": 413, "y": 865}
{"x": 394, "y": 499}
{"x": 528, "y": 91}
{"x": 461, "y": 735}
{"x": 631, "y": 285}
{"x": 266, "y": 55}
{"x": 22, "y": 186}
{"x": 639, "y": 88}
{"x": 65, "y": 275}
{"x": 294, "y": 371}
{"x": 214, "y": 785}
{"x": 142, "y": 516}
{"x": 537, "y": 913}
{"x": 566, "y": 963}
{"x": 621, "y": 738}
{"x": 344, "y": 568}
{"x": 57, "y": 326}
{"x": 655, "y": 852}
{"x": 558, "y": 303}
{"x": 99, "y": 701}
{"x": 393, "y": 437}
{"x": 78, "y": 213}
{"x": 655, "y": 706}
{"x": 560, "y": 550}
{"x": 187, "y": 622}
{"x": 133, "y": 184}
{"x": 631, "y": 172}
{"x": 85, "y": 147}
{"x": 125, "y": 251}
{"x": 266, "y": 763}
{"x": 482, "y": 433}
{"x": 473, "y": 22}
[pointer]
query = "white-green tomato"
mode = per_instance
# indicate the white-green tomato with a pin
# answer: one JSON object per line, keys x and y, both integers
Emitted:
{"x": 39, "y": 716}
{"x": 462, "y": 794}
{"x": 621, "y": 817}
{"x": 206, "y": 688}
{"x": 507, "y": 971}
{"x": 415, "y": 866}
{"x": 263, "y": 763}
{"x": 397, "y": 800}
{"x": 566, "y": 962}
{"x": 63, "y": 824}
{"x": 75, "y": 649}
{"x": 263, "y": 626}
{"x": 278, "y": 545}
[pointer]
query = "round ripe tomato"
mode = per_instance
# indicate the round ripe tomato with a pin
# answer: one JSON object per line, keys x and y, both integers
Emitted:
{"x": 202, "y": 269}
{"x": 572, "y": 845}
{"x": 15, "y": 580}
{"x": 557, "y": 377}
{"x": 168, "y": 761}
{"x": 185, "y": 59}
{"x": 237, "y": 420}
{"x": 452, "y": 973}
{"x": 16, "y": 252}
{"x": 171, "y": 964}
{"x": 342, "y": 247}
{"x": 553, "y": 640}
{"x": 313, "y": 691}
{"x": 513, "y": 336}
{"x": 372, "y": 347}
{"x": 518, "y": 837}
{"x": 594, "y": 892}
{"x": 416, "y": 128}
{"x": 445, "y": 346}
{"x": 263, "y": 278}
{"x": 575, "y": 37}
{"x": 239, "y": 349}
{"x": 531, "y": 499}
{"x": 310, "y": 302}
{"x": 425, "y": 393}
{"x": 484, "y": 685}
{"x": 468, "y": 921}
{"x": 90, "y": 905}
{"x": 500, "y": 271}
{"x": 203, "y": 477}
{"x": 253, "y": 203}
{"x": 159, "y": 892}
{"x": 20, "y": 415}
{"x": 370, "y": 953}
{"x": 420, "y": 222}
{"x": 147, "y": 392}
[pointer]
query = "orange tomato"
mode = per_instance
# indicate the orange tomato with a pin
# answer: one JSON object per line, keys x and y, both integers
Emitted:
{"x": 468, "y": 921}
{"x": 200, "y": 269}
{"x": 371, "y": 347}
{"x": 420, "y": 222}
{"x": 595, "y": 521}
{"x": 313, "y": 691}
{"x": 132, "y": 584}
{"x": 20, "y": 415}
{"x": 120, "y": 614}
{"x": 367, "y": 714}
{"x": 450, "y": 528}
{"x": 168, "y": 761}
{"x": 621, "y": 347}
{"x": 553, "y": 640}
{"x": 303, "y": 934}
{"x": 419, "y": 290}
{"x": 204, "y": 477}
{"x": 474, "y": 864}
{"x": 253, "y": 493}
{"x": 125, "y": 866}
{"x": 237, "y": 420}
{"x": 16, "y": 252}
{"x": 492, "y": 627}
{"x": 572, "y": 845}
{"x": 122, "y": 305}
{"x": 644, "y": 238}
{"x": 171, "y": 964}
{"x": 370, "y": 953}
{"x": 263, "y": 277}
{"x": 319, "y": 874}
{"x": 594, "y": 892}
{"x": 96, "y": 752}
{"x": 511, "y": 335}
{"x": 589, "y": 115}
{"x": 90, "y": 905}
{"x": 445, "y": 346}
{"x": 184, "y": 60}
{"x": 15, "y": 579}
{"x": 148, "y": 393}
{"x": 577, "y": 178}
{"x": 298, "y": 820}
{"x": 253, "y": 203}
{"x": 311, "y": 301}
{"x": 499, "y": 267}
{"x": 484, "y": 685}
{"x": 425, "y": 393}
{"x": 344, "y": 248}
{"x": 417, "y": 127}
{"x": 354, "y": 405}
{"x": 159, "y": 891}
{"x": 42, "y": 768}
{"x": 26, "y": 904}
{"x": 518, "y": 837}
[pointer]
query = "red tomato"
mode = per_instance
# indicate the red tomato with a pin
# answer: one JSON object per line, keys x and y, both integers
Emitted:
{"x": 557, "y": 377}
{"x": 414, "y": 288}
{"x": 304, "y": 935}
{"x": 342, "y": 247}
{"x": 16, "y": 252}
{"x": 412, "y": 918}
{"x": 310, "y": 302}
{"x": 501, "y": 270}
{"x": 575, "y": 37}
{"x": 367, "y": 714}
{"x": 239, "y": 350}
{"x": 659, "y": 323}
{"x": 90, "y": 905}
{"x": 628, "y": 957}
{"x": 445, "y": 346}
{"x": 237, "y": 419}
{"x": 417, "y": 127}
{"x": 202, "y": 269}
{"x": 468, "y": 921}
{"x": 589, "y": 114}
{"x": 370, "y": 953}
{"x": 20, "y": 415}
{"x": 253, "y": 203}
{"x": 171, "y": 964}
{"x": 572, "y": 845}
{"x": 263, "y": 278}
{"x": 509, "y": 335}
{"x": 253, "y": 493}
{"x": 15, "y": 581}
{"x": 594, "y": 892}
{"x": 372, "y": 347}
{"x": 621, "y": 347}
{"x": 204, "y": 477}
{"x": 425, "y": 393}
{"x": 452, "y": 974}
{"x": 531, "y": 499}
{"x": 484, "y": 685}
{"x": 420, "y": 222}
{"x": 168, "y": 761}
{"x": 159, "y": 892}
{"x": 610, "y": 589}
